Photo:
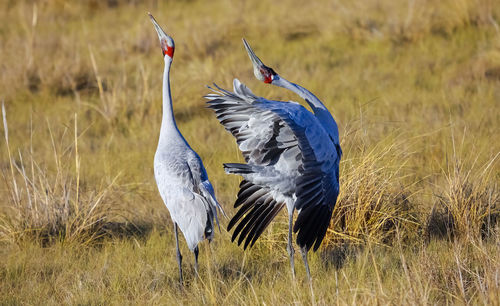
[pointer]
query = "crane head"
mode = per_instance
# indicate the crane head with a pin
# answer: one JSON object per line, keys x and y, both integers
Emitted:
{"x": 166, "y": 42}
{"x": 261, "y": 71}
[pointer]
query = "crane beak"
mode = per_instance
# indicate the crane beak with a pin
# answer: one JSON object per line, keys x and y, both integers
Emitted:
{"x": 256, "y": 62}
{"x": 159, "y": 30}
{"x": 261, "y": 71}
{"x": 166, "y": 42}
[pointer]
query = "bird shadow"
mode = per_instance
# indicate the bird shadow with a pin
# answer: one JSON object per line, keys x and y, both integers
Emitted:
{"x": 232, "y": 270}
{"x": 126, "y": 229}
{"x": 337, "y": 256}
{"x": 94, "y": 235}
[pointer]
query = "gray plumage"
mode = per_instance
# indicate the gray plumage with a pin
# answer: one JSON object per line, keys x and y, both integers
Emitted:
{"x": 179, "y": 172}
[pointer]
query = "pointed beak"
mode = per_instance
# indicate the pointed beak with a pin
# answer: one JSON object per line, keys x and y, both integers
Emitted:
{"x": 166, "y": 42}
{"x": 159, "y": 30}
{"x": 256, "y": 62}
{"x": 260, "y": 71}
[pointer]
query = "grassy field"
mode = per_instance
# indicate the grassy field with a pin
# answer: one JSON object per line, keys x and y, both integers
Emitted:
{"x": 414, "y": 86}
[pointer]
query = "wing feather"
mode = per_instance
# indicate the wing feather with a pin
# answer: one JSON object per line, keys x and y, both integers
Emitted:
{"x": 319, "y": 172}
{"x": 287, "y": 154}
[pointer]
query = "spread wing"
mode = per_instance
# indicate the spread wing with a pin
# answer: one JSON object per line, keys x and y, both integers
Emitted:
{"x": 317, "y": 186}
{"x": 289, "y": 155}
{"x": 261, "y": 135}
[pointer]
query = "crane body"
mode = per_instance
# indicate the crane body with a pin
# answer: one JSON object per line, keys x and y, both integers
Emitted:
{"x": 292, "y": 160}
{"x": 179, "y": 172}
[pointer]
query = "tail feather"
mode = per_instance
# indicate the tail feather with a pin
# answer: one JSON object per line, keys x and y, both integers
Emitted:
{"x": 208, "y": 192}
{"x": 235, "y": 168}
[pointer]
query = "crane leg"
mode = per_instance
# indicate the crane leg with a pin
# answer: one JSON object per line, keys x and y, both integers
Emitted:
{"x": 196, "y": 251}
{"x": 179, "y": 256}
{"x": 303, "y": 251}
{"x": 289, "y": 247}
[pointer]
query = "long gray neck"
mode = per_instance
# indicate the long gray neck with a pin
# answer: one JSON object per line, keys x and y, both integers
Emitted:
{"x": 305, "y": 94}
{"x": 319, "y": 109}
{"x": 169, "y": 128}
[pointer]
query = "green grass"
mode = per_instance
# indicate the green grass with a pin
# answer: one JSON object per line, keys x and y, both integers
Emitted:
{"x": 414, "y": 87}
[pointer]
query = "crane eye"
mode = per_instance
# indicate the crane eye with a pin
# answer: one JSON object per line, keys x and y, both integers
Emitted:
{"x": 267, "y": 73}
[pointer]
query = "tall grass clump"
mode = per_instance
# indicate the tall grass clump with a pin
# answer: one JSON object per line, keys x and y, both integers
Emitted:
{"x": 374, "y": 200}
{"x": 48, "y": 201}
{"x": 470, "y": 199}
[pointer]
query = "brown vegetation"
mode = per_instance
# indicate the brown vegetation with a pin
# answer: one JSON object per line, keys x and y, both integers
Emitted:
{"x": 413, "y": 85}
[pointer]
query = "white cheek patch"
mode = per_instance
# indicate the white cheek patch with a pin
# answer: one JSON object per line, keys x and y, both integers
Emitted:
{"x": 258, "y": 75}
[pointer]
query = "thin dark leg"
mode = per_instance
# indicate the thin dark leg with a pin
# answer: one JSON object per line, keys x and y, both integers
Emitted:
{"x": 303, "y": 251}
{"x": 179, "y": 256}
{"x": 196, "y": 251}
{"x": 289, "y": 247}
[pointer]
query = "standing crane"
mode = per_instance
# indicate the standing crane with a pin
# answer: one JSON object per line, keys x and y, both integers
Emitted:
{"x": 292, "y": 159}
{"x": 179, "y": 172}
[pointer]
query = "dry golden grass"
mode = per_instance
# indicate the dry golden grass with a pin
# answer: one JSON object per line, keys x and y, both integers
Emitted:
{"x": 413, "y": 85}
